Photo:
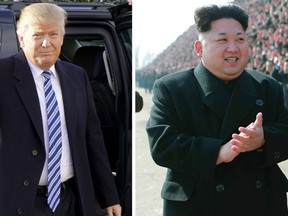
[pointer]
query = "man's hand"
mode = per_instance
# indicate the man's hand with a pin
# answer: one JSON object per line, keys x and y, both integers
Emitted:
{"x": 226, "y": 154}
{"x": 250, "y": 137}
{"x": 114, "y": 210}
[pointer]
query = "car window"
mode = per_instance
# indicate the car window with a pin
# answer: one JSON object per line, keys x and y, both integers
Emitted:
{"x": 92, "y": 42}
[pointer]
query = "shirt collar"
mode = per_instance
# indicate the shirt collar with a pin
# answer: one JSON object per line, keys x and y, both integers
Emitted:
{"x": 36, "y": 71}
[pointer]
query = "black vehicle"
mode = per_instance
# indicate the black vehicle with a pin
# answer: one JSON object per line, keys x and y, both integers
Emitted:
{"x": 98, "y": 38}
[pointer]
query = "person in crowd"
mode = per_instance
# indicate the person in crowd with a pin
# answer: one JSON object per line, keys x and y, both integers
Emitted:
{"x": 267, "y": 35}
{"x": 52, "y": 154}
{"x": 282, "y": 77}
{"x": 268, "y": 67}
{"x": 220, "y": 129}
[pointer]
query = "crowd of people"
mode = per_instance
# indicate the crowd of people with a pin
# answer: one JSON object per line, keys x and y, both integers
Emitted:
{"x": 267, "y": 35}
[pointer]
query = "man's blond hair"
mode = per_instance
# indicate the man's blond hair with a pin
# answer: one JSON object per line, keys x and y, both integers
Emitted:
{"x": 41, "y": 13}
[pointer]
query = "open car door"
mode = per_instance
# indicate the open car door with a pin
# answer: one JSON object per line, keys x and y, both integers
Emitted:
{"x": 122, "y": 16}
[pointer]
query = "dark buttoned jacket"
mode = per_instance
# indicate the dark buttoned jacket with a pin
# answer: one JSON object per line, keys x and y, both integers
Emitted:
{"x": 22, "y": 151}
{"x": 192, "y": 116}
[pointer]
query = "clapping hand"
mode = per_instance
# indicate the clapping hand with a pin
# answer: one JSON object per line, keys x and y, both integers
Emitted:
{"x": 250, "y": 138}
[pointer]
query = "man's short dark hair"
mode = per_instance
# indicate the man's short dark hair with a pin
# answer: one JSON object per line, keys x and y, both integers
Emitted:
{"x": 203, "y": 16}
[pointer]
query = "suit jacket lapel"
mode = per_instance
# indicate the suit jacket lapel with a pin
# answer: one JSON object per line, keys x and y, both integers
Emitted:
{"x": 212, "y": 91}
{"x": 26, "y": 88}
{"x": 68, "y": 94}
{"x": 230, "y": 111}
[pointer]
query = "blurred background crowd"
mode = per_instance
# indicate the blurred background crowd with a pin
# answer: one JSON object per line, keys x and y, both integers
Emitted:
{"x": 267, "y": 36}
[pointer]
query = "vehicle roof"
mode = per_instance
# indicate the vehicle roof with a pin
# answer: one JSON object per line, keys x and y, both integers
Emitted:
{"x": 75, "y": 10}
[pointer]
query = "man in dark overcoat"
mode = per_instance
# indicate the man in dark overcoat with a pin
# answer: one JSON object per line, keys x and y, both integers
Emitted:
{"x": 220, "y": 129}
{"x": 85, "y": 173}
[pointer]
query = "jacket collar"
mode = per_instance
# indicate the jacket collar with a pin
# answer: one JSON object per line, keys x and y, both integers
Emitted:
{"x": 232, "y": 110}
{"x": 69, "y": 92}
{"x": 25, "y": 86}
{"x": 26, "y": 89}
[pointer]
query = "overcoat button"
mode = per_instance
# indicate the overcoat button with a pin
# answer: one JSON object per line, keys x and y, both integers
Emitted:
{"x": 258, "y": 184}
{"x": 26, "y": 183}
{"x": 259, "y": 102}
{"x": 277, "y": 155}
{"x": 34, "y": 152}
{"x": 220, "y": 187}
{"x": 19, "y": 211}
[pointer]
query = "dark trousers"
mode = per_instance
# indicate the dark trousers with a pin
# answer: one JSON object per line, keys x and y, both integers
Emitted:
{"x": 68, "y": 205}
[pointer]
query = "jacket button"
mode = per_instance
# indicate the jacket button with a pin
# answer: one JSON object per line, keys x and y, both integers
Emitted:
{"x": 259, "y": 102}
{"x": 19, "y": 211}
{"x": 258, "y": 184}
{"x": 34, "y": 152}
{"x": 220, "y": 187}
{"x": 277, "y": 155}
{"x": 26, "y": 183}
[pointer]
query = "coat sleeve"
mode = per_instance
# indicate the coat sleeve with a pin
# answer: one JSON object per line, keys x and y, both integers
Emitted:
{"x": 275, "y": 127}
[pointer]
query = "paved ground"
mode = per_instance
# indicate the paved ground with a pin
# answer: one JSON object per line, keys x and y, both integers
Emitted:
{"x": 149, "y": 176}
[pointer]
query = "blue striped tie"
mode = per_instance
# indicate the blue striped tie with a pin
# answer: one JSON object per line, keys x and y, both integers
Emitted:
{"x": 55, "y": 143}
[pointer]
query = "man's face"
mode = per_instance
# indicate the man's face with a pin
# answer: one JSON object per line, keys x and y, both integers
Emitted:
{"x": 42, "y": 43}
{"x": 224, "y": 50}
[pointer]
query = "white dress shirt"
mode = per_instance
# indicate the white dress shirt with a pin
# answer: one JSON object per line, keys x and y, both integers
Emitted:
{"x": 66, "y": 160}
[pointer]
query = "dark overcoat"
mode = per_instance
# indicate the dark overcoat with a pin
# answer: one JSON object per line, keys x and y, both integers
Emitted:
{"x": 22, "y": 151}
{"x": 192, "y": 116}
